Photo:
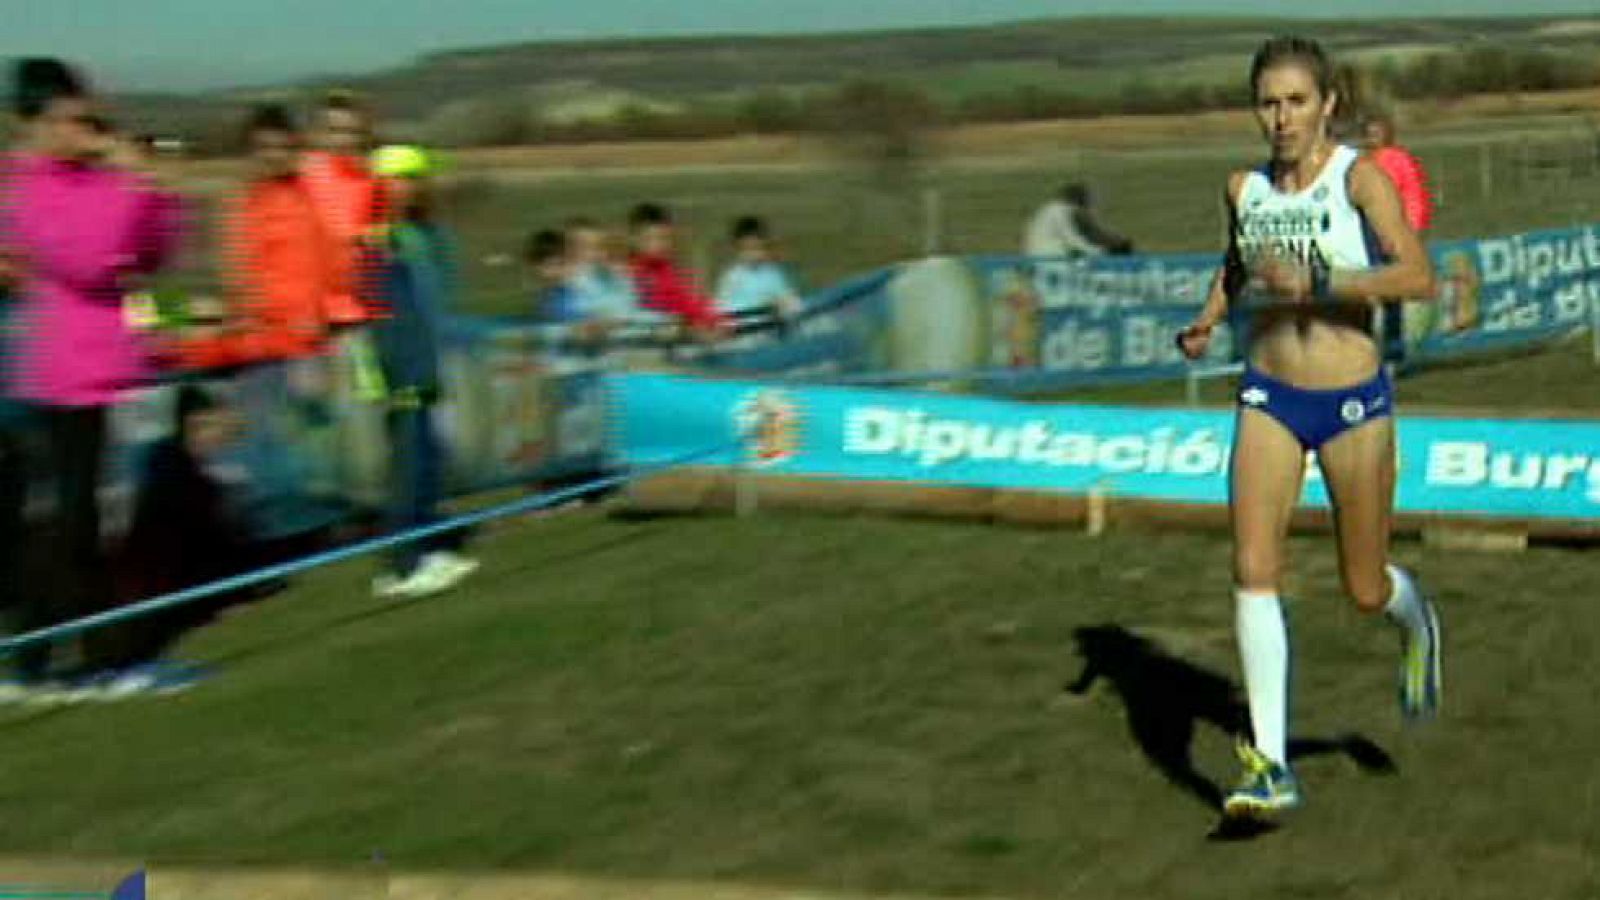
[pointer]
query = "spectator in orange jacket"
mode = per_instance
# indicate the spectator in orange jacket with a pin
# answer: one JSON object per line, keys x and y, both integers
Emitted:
{"x": 346, "y": 194}
{"x": 277, "y": 259}
{"x": 660, "y": 283}
{"x": 1416, "y": 201}
{"x": 1403, "y": 168}
{"x": 282, "y": 278}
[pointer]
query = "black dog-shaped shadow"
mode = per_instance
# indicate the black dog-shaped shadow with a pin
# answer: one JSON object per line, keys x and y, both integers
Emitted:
{"x": 1166, "y": 698}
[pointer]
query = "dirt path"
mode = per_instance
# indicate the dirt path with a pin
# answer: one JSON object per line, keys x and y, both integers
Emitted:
{"x": 19, "y": 878}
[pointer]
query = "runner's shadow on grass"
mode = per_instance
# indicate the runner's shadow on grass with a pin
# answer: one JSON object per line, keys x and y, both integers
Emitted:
{"x": 1167, "y": 699}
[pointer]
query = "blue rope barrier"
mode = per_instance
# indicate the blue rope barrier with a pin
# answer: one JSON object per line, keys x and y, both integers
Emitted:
{"x": 11, "y": 645}
{"x": 1031, "y": 379}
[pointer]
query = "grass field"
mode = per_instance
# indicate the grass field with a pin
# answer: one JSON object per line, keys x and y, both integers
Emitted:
{"x": 844, "y": 704}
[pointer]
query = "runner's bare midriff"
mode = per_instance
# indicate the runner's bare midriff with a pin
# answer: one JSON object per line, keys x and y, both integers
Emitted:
{"x": 1315, "y": 347}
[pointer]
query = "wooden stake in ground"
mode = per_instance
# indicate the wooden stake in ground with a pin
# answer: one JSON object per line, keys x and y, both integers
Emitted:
{"x": 1094, "y": 520}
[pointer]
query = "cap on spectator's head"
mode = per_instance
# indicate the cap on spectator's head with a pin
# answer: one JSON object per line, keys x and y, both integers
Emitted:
{"x": 1076, "y": 192}
{"x": 344, "y": 99}
{"x": 403, "y": 161}
{"x": 543, "y": 246}
{"x": 749, "y": 227}
{"x": 37, "y": 81}
{"x": 649, "y": 214}
{"x": 1378, "y": 116}
{"x": 271, "y": 117}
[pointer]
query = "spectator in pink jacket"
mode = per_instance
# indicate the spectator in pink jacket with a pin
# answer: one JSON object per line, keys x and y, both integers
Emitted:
{"x": 75, "y": 231}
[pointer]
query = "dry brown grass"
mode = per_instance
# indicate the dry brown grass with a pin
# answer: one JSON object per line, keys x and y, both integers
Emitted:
{"x": 971, "y": 142}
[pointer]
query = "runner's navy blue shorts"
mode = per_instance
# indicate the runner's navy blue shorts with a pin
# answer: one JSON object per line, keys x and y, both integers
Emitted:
{"x": 1316, "y": 417}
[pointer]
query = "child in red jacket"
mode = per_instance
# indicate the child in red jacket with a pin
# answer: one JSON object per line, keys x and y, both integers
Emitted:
{"x": 660, "y": 283}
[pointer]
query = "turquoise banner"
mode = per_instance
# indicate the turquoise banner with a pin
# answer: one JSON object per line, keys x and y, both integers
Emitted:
{"x": 1496, "y": 468}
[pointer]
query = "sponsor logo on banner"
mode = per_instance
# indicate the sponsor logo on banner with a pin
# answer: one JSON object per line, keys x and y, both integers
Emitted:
{"x": 1482, "y": 464}
{"x": 1115, "y": 316}
{"x": 930, "y": 441}
{"x": 768, "y": 423}
{"x": 1518, "y": 289}
{"x": 1104, "y": 284}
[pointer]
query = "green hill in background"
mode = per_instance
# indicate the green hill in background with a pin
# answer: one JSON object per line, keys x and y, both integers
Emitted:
{"x": 703, "y": 86}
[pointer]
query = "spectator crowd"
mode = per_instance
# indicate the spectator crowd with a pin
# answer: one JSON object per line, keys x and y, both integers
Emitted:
{"x": 333, "y": 263}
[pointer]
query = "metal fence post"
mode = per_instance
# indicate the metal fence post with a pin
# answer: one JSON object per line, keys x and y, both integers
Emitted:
{"x": 932, "y": 221}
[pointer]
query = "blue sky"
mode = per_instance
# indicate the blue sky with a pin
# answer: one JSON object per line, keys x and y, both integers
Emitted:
{"x": 199, "y": 43}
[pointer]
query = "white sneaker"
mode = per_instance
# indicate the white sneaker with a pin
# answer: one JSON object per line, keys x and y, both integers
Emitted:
{"x": 387, "y": 586}
{"x": 428, "y": 580}
{"x": 452, "y": 567}
{"x": 390, "y": 586}
{"x": 436, "y": 573}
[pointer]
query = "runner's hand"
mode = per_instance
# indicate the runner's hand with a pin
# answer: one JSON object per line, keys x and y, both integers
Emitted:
{"x": 1284, "y": 277}
{"x": 1194, "y": 340}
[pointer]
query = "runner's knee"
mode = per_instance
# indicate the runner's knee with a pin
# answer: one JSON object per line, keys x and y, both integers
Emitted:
{"x": 1366, "y": 584}
{"x": 1257, "y": 568}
